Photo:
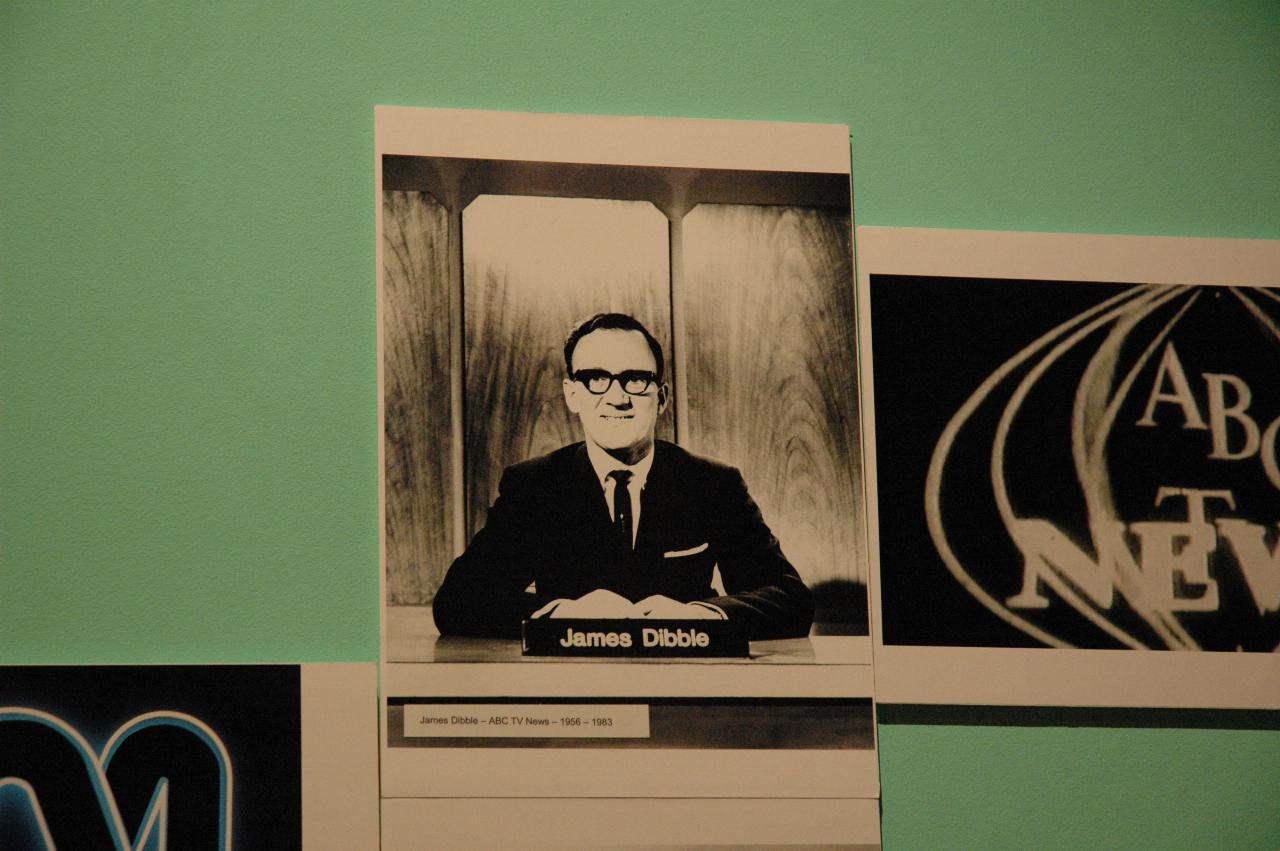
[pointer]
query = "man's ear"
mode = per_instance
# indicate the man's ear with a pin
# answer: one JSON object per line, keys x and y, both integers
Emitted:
{"x": 570, "y": 395}
{"x": 664, "y": 396}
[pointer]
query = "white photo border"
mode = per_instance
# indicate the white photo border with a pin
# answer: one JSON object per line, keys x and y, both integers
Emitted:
{"x": 1052, "y": 676}
{"x": 652, "y": 142}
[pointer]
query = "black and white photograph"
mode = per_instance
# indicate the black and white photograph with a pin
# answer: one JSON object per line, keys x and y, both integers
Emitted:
{"x": 1076, "y": 459}
{"x": 619, "y": 418}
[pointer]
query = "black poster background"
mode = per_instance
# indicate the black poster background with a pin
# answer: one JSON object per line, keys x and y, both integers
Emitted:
{"x": 935, "y": 341}
{"x": 255, "y": 710}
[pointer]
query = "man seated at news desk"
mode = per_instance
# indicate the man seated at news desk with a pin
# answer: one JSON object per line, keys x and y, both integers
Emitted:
{"x": 621, "y": 525}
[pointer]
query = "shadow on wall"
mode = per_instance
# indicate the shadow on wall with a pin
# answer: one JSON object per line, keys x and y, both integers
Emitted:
{"x": 840, "y": 608}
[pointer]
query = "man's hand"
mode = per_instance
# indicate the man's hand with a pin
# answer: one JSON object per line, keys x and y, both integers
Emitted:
{"x": 600, "y": 603}
{"x": 664, "y": 608}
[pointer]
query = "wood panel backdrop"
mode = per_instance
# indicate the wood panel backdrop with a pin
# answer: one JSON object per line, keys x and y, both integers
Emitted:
{"x": 753, "y": 304}
{"x": 417, "y": 442}
{"x": 768, "y": 310}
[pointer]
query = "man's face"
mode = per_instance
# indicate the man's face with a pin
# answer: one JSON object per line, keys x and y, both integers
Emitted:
{"x": 616, "y": 421}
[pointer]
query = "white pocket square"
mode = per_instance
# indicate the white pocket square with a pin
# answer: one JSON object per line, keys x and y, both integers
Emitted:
{"x": 688, "y": 552}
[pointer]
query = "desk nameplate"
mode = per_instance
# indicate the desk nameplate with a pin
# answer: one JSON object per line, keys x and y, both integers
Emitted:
{"x": 659, "y": 638}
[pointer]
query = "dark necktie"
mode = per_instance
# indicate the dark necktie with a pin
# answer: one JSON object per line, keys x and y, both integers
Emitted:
{"x": 622, "y": 506}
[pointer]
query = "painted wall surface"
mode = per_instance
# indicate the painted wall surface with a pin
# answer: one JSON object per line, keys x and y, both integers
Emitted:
{"x": 188, "y": 448}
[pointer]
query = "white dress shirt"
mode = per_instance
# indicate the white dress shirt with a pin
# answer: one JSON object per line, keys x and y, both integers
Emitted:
{"x": 603, "y": 464}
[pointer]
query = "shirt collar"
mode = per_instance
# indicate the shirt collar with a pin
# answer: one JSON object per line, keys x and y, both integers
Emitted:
{"x": 602, "y": 463}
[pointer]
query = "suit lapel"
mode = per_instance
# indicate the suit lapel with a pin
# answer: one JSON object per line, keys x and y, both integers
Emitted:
{"x": 659, "y": 503}
{"x": 585, "y": 493}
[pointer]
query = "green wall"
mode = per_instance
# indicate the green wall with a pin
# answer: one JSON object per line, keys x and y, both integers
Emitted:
{"x": 187, "y": 405}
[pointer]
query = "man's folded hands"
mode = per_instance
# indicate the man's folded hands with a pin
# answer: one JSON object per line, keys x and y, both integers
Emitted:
{"x": 604, "y": 604}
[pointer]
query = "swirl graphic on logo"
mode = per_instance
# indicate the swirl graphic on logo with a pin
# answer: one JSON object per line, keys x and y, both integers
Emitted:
{"x": 163, "y": 780}
{"x": 1130, "y": 454}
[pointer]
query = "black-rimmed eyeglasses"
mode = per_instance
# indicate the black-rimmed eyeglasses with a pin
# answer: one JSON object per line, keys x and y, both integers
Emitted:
{"x": 634, "y": 382}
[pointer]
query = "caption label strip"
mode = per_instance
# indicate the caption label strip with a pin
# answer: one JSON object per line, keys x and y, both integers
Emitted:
{"x": 516, "y": 721}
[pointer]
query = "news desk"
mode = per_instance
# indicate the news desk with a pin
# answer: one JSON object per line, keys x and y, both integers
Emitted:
{"x": 797, "y": 693}
{"x": 411, "y": 637}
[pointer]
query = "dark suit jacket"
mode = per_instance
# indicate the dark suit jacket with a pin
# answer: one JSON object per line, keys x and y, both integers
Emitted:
{"x": 550, "y": 528}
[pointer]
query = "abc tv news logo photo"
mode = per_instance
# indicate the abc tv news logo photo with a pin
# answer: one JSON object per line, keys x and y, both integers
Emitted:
{"x": 1107, "y": 475}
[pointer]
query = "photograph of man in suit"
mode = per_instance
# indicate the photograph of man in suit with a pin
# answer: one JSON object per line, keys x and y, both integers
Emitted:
{"x": 621, "y": 525}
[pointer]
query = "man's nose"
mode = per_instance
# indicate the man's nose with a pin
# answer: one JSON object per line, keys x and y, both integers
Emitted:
{"x": 616, "y": 396}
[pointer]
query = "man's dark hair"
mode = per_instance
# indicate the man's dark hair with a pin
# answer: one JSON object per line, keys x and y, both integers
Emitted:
{"x": 610, "y": 322}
